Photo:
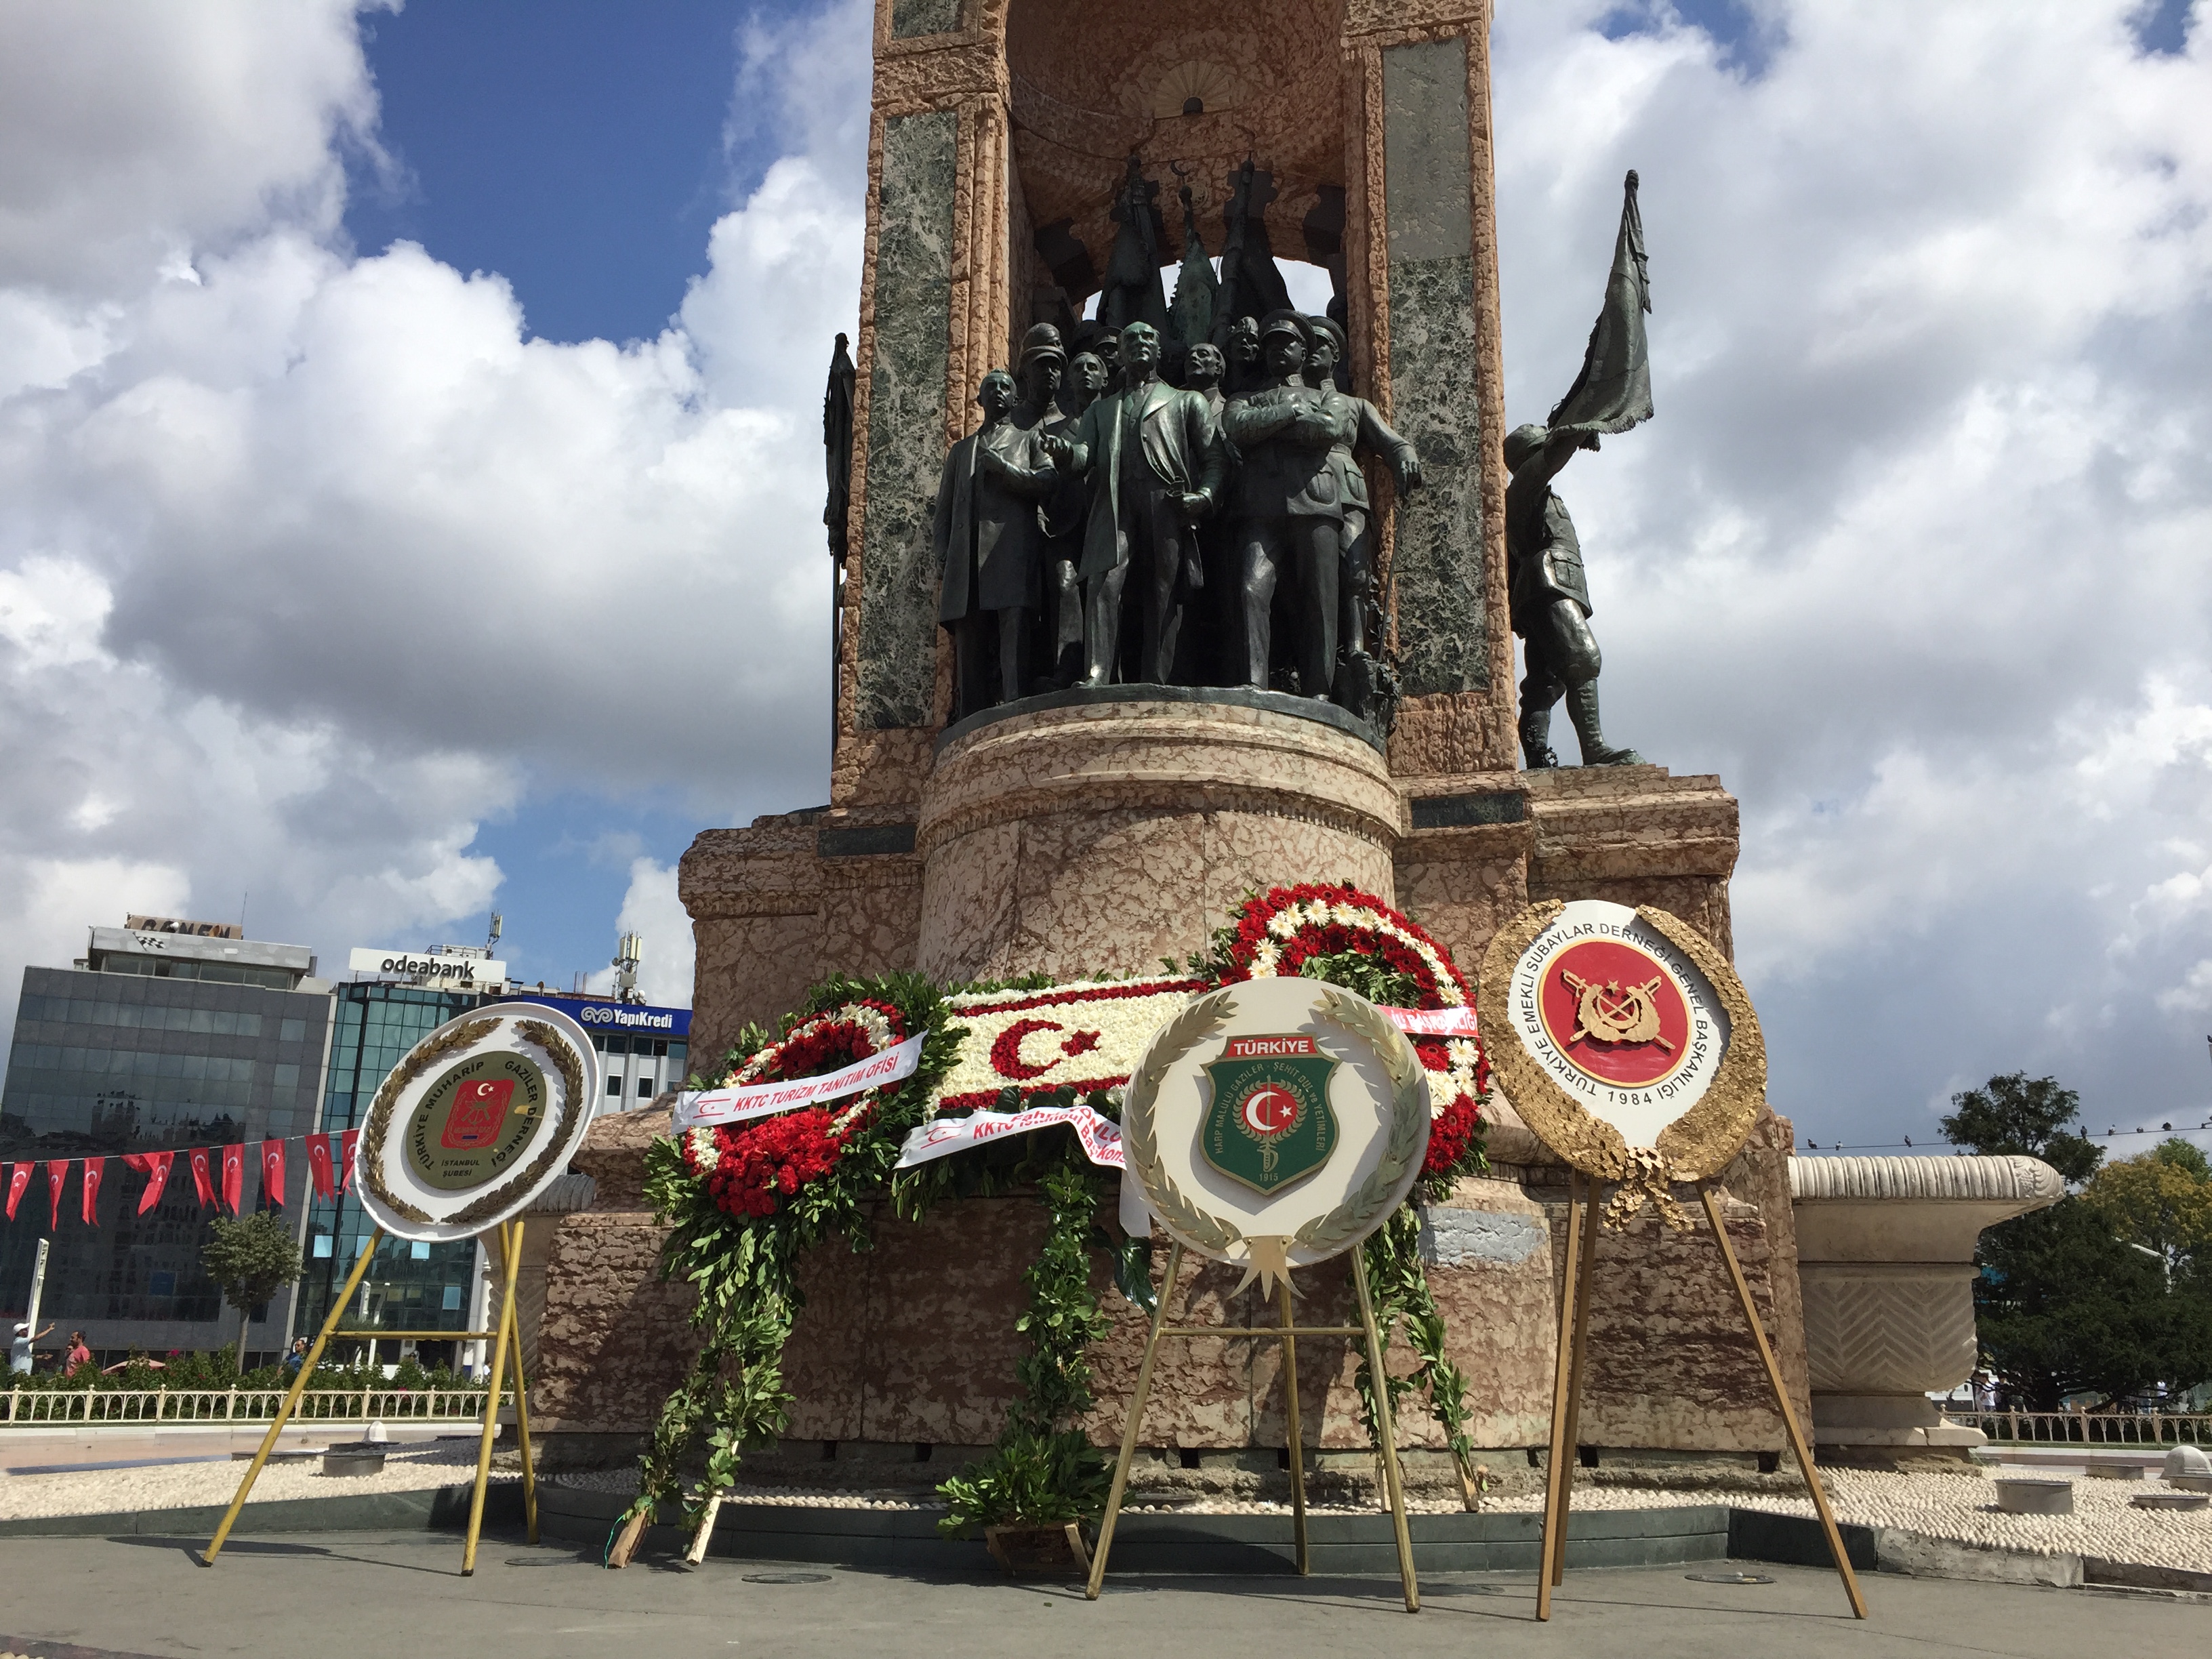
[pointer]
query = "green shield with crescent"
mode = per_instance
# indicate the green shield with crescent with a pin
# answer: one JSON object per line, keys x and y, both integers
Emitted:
{"x": 1270, "y": 1124}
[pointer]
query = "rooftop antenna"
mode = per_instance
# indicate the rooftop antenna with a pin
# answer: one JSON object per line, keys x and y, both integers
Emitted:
{"x": 628, "y": 951}
{"x": 497, "y": 924}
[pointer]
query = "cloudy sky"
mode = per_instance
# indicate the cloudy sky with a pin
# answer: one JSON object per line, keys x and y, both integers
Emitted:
{"x": 409, "y": 461}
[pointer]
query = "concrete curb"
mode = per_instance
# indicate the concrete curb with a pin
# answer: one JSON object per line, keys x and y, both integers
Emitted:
{"x": 907, "y": 1539}
{"x": 429, "y": 1509}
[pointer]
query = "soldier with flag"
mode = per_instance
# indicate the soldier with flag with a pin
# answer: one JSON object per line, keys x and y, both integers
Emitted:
{"x": 1549, "y": 595}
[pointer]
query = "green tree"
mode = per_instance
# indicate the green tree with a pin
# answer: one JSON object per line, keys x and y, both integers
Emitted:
{"x": 2014, "y": 1115}
{"x": 2066, "y": 1305}
{"x": 250, "y": 1260}
{"x": 2161, "y": 1202}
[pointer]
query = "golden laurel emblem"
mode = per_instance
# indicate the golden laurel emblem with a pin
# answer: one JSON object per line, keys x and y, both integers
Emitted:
{"x": 1608, "y": 1012}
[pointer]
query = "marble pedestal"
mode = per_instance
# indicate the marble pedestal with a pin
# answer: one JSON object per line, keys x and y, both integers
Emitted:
{"x": 1097, "y": 836}
{"x": 1885, "y": 1258}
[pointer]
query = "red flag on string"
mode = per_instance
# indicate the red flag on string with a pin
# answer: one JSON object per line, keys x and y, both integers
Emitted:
{"x": 155, "y": 1166}
{"x": 18, "y": 1178}
{"x": 233, "y": 1175}
{"x": 57, "y": 1175}
{"x": 272, "y": 1169}
{"x": 347, "y": 1142}
{"x": 319, "y": 1165}
{"x": 203, "y": 1177}
{"x": 90, "y": 1208}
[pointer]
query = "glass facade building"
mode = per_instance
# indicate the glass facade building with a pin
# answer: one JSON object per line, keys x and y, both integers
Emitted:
{"x": 154, "y": 1042}
{"x": 161, "y": 1041}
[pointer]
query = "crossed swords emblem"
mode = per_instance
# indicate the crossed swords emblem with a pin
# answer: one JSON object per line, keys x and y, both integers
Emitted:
{"x": 1608, "y": 1012}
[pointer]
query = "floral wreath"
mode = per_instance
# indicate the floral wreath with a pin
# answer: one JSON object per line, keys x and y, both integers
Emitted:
{"x": 1391, "y": 959}
{"x": 747, "y": 1168}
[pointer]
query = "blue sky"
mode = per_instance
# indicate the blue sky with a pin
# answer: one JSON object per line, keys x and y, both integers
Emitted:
{"x": 582, "y": 151}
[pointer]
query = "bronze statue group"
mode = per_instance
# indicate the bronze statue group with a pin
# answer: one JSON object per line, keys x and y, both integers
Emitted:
{"x": 1119, "y": 517}
{"x": 1215, "y": 532}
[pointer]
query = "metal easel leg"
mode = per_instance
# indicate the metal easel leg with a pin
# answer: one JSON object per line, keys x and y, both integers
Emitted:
{"x": 1129, "y": 1431}
{"x": 491, "y": 1406}
{"x": 522, "y": 1405}
{"x": 1781, "y": 1399}
{"x": 292, "y": 1397}
{"x": 1290, "y": 1413}
{"x": 1562, "y": 1381}
{"x": 1393, "y": 1476}
{"x": 1577, "y": 1375}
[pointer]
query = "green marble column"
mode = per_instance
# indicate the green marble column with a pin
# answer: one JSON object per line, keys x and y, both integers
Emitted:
{"x": 898, "y": 670}
{"x": 1442, "y": 636}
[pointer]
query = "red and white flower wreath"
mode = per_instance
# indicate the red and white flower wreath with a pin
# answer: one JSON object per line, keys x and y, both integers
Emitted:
{"x": 1277, "y": 932}
{"x": 748, "y": 1167}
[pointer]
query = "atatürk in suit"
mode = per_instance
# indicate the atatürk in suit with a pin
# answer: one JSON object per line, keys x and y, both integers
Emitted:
{"x": 988, "y": 542}
{"x": 1154, "y": 457}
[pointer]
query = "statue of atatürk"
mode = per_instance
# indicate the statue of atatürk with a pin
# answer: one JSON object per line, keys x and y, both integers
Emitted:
{"x": 989, "y": 542}
{"x": 1153, "y": 457}
{"x": 1549, "y": 594}
{"x": 1291, "y": 507}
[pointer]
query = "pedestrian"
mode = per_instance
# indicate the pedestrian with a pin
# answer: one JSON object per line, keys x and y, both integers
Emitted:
{"x": 297, "y": 1357}
{"x": 19, "y": 1349}
{"x": 78, "y": 1354}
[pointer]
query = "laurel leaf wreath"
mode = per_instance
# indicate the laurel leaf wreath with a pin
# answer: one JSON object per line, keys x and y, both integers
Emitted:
{"x": 371, "y": 1163}
{"x": 547, "y": 1042}
{"x": 544, "y": 1037}
{"x": 1342, "y": 1227}
{"x": 1377, "y": 1196}
{"x": 1205, "y": 1016}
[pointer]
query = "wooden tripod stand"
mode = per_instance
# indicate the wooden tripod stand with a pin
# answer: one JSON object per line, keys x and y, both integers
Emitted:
{"x": 1583, "y": 1194}
{"x": 1288, "y": 1333}
{"x": 506, "y": 1339}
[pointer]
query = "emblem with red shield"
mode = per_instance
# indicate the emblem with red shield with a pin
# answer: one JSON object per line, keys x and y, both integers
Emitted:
{"x": 480, "y": 1109}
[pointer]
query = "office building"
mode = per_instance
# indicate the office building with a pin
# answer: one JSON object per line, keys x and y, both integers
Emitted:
{"x": 166, "y": 1034}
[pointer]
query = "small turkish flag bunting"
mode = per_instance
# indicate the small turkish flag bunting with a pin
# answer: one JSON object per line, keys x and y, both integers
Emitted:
{"x": 155, "y": 1166}
{"x": 272, "y": 1169}
{"x": 233, "y": 1175}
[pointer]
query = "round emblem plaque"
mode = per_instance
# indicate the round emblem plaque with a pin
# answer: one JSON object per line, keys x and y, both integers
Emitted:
{"x": 1276, "y": 1122}
{"x": 476, "y": 1121}
{"x": 1622, "y": 1036}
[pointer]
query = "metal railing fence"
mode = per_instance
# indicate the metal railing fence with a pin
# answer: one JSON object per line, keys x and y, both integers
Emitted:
{"x": 316, "y": 1405}
{"x": 2084, "y": 1428}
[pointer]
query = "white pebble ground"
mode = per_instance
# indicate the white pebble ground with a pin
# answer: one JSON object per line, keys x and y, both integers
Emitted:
{"x": 407, "y": 1468}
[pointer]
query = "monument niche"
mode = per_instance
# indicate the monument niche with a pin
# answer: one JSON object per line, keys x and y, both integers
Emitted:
{"x": 1091, "y": 829}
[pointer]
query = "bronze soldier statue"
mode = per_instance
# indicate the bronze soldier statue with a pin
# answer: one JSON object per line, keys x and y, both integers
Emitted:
{"x": 1153, "y": 457}
{"x": 1549, "y": 600}
{"x": 988, "y": 542}
{"x": 1290, "y": 509}
{"x": 1058, "y": 648}
{"x": 1363, "y": 683}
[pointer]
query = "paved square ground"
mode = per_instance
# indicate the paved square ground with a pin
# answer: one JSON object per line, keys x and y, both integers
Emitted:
{"x": 355, "y": 1597}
